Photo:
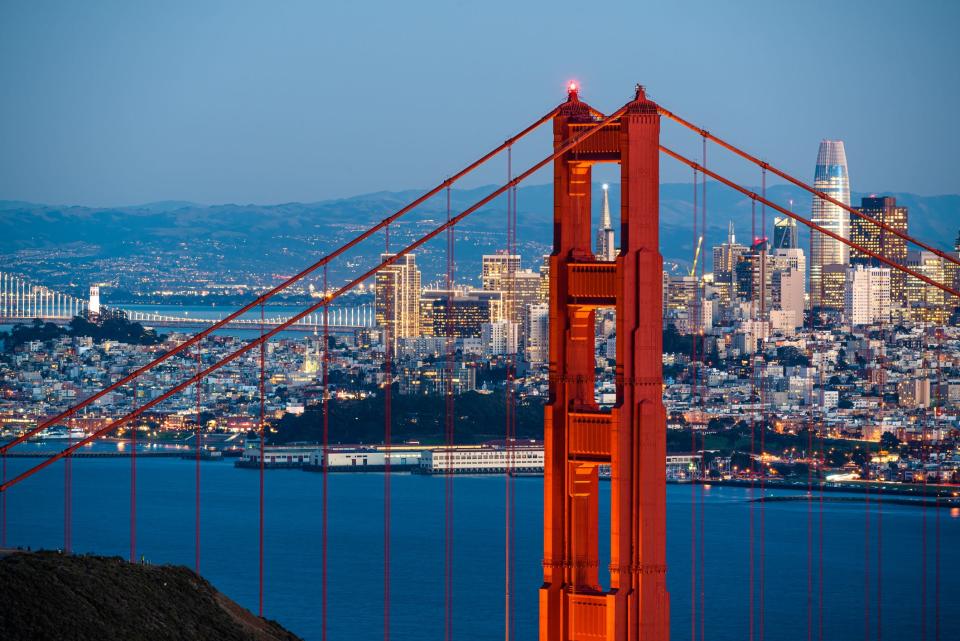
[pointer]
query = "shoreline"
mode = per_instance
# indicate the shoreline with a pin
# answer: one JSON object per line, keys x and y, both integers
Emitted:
{"x": 943, "y": 495}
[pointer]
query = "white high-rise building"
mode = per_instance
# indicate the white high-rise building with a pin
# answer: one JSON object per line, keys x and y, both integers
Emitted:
{"x": 830, "y": 177}
{"x": 499, "y": 338}
{"x": 537, "y": 334}
{"x": 606, "y": 251}
{"x": 867, "y": 295}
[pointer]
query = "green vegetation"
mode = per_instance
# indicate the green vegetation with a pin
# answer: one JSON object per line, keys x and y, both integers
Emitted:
{"x": 479, "y": 417}
{"x": 739, "y": 441}
{"x": 111, "y": 329}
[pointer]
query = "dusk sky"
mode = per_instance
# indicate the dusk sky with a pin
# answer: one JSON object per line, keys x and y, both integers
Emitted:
{"x": 118, "y": 103}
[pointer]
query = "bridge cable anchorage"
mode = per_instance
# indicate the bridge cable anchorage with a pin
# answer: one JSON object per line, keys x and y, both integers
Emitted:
{"x": 107, "y": 429}
{"x": 279, "y": 288}
{"x": 325, "y": 452}
{"x": 799, "y": 183}
{"x": 263, "y": 438}
{"x": 814, "y": 226}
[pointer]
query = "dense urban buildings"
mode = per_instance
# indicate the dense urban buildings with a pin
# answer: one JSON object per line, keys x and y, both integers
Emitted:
{"x": 877, "y": 359}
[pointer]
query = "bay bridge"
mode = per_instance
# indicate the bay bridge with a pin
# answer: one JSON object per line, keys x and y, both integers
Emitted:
{"x": 24, "y": 301}
{"x": 580, "y": 438}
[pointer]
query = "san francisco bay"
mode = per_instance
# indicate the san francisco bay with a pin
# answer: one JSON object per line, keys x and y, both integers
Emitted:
{"x": 861, "y": 543}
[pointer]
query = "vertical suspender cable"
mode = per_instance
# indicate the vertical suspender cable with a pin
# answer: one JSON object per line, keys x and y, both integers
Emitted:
{"x": 879, "y": 506}
{"x": 693, "y": 452}
{"x": 199, "y": 433}
{"x": 390, "y": 336}
{"x": 508, "y": 432}
{"x": 924, "y": 458}
{"x": 449, "y": 425}
{"x": 133, "y": 482}
{"x": 820, "y": 427}
{"x": 763, "y": 395}
{"x": 68, "y": 498}
{"x": 753, "y": 427}
{"x": 325, "y": 455}
{"x": 944, "y": 318}
{"x": 703, "y": 592}
{"x": 811, "y": 466}
{"x": 263, "y": 436}
{"x": 3, "y": 506}
{"x": 881, "y": 380}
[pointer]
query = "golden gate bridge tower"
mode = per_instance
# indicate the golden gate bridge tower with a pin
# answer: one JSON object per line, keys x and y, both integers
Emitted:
{"x": 578, "y": 437}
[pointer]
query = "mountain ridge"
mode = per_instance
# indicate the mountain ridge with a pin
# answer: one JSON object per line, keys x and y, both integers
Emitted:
{"x": 165, "y": 225}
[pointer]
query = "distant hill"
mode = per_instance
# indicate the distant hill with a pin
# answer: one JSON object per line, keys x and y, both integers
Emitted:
{"x": 288, "y": 235}
{"x": 47, "y": 595}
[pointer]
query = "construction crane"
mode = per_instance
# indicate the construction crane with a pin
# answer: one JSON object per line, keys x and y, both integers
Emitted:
{"x": 696, "y": 255}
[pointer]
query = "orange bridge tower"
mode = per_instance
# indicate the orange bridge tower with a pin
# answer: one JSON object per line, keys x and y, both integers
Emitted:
{"x": 579, "y": 438}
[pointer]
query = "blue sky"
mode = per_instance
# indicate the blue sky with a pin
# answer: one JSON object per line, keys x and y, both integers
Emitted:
{"x": 112, "y": 103}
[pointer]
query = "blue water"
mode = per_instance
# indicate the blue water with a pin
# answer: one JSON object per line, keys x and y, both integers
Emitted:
{"x": 229, "y": 550}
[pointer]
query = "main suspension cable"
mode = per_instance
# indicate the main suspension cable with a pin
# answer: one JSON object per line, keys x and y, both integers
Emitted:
{"x": 282, "y": 286}
{"x": 563, "y": 149}
{"x": 812, "y": 225}
{"x": 799, "y": 183}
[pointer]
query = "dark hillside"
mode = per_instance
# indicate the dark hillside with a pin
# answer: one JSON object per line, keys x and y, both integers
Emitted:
{"x": 47, "y": 595}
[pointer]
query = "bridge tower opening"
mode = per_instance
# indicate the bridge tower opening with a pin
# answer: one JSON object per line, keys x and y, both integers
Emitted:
{"x": 579, "y": 438}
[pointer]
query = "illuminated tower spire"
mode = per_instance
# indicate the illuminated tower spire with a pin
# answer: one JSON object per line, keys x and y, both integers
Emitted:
{"x": 832, "y": 178}
{"x": 605, "y": 242}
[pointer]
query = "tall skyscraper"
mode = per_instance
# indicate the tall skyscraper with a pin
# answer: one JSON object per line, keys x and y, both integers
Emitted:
{"x": 605, "y": 242}
{"x": 785, "y": 233}
{"x": 397, "y": 297}
{"x": 880, "y": 241}
{"x": 830, "y": 177}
